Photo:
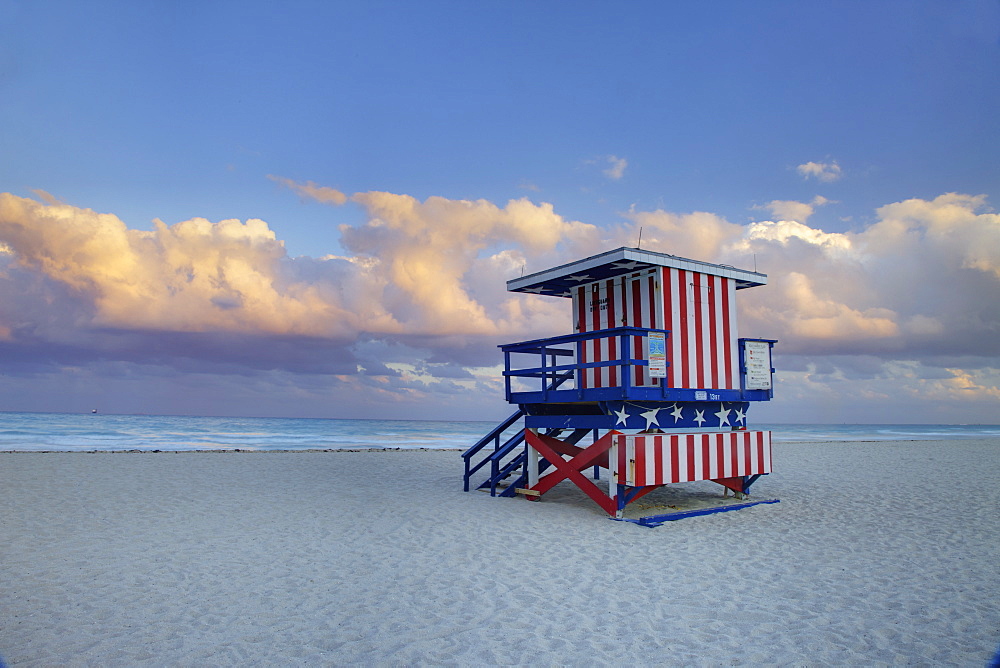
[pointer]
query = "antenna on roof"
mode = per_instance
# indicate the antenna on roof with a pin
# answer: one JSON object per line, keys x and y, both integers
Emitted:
{"x": 522, "y": 268}
{"x": 639, "y": 244}
{"x": 755, "y": 263}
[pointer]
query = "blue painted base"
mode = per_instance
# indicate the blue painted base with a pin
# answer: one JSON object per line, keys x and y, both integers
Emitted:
{"x": 657, "y": 520}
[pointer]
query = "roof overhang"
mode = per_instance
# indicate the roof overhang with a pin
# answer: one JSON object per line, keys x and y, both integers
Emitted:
{"x": 559, "y": 281}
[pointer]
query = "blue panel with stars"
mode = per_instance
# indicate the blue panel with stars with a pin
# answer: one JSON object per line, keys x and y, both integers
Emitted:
{"x": 677, "y": 415}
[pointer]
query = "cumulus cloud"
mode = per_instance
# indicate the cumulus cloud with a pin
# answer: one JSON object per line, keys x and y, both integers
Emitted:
{"x": 616, "y": 170}
{"x": 793, "y": 210}
{"x": 785, "y": 232}
{"x": 826, "y": 172}
{"x": 310, "y": 190}
{"x": 417, "y": 303}
{"x": 432, "y": 271}
{"x": 444, "y": 262}
{"x": 699, "y": 235}
{"x": 192, "y": 276}
{"x": 919, "y": 286}
{"x": 922, "y": 280}
{"x": 819, "y": 317}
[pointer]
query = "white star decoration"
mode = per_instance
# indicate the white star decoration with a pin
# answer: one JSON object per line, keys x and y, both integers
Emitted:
{"x": 676, "y": 411}
{"x": 625, "y": 265}
{"x": 723, "y": 415}
{"x": 740, "y": 415}
{"x": 579, "y": 279}
{"x": 651, "y": 418}
{"x": 537, "y": 290}
{"x": 622, "y": 416}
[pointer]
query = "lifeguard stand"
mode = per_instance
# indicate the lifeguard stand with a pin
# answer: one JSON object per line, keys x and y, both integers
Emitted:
{"x": 654, "y": 371}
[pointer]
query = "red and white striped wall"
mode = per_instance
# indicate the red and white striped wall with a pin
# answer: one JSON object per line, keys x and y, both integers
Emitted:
{"x": 643, "y": 309}
{"x": 596, "y": 305}
{"x": 659, "y": 459}
{"x": 698, "y": 309}
{"x": 702, "y": 324}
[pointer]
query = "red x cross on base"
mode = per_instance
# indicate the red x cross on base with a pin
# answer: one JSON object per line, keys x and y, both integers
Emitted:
{"x": 570, "y": 469}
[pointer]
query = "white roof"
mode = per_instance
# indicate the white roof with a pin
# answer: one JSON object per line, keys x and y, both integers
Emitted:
{"x": 559, "y": 280}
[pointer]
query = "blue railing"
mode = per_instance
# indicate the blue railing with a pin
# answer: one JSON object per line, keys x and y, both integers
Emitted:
{"x": 494, "y": 437}
{"x": 500, "y": 451}
{"x": 551, "y": 371}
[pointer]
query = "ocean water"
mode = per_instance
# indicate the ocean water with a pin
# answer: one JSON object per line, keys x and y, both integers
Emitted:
{"x": 70, "y": 432}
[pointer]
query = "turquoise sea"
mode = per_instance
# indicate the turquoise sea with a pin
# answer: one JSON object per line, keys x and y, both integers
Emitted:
{"x": 83, "y": 432}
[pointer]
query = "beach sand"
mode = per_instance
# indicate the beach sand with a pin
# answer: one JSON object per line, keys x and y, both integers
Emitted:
{"x": 880, "y": 553}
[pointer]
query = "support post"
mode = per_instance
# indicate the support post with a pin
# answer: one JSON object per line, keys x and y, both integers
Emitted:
{"x": 614, "y": 489}
{"x": 532, "y": 462}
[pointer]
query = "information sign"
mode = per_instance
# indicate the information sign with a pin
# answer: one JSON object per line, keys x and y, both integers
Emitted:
{"x": 757, "y": 358}
{"x": 656, "y": 349}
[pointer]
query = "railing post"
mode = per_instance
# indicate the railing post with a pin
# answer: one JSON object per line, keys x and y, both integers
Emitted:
{"x": 663, "y": 381}
{"x": 494, "y": 465}
{"x": 506, "y": 376}
{"x": 577, "y": 361}
{"x": 626, "y": 367}
{"x": 597, "y": 468}
{"x": 545, "y": 375}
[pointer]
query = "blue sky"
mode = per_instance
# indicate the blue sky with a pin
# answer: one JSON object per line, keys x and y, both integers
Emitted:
{"x": 827, "y": 141}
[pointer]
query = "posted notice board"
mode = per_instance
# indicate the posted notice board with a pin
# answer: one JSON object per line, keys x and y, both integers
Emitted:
{"x": 656, "y": 351}
{"x": 757, "y": 359}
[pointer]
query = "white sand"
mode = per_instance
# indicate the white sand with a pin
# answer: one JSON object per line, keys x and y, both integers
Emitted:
{"x": 878, "y": 554}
